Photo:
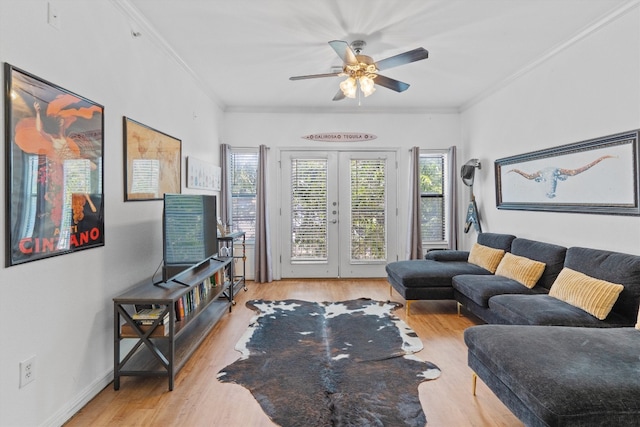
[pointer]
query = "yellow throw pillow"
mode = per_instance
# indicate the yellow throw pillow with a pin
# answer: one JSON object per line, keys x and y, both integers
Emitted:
{"x": 523, "y": 270}
{"x": 594, "y": 296}
{"x": 485, "y": 257}
{"x": 638, "y": 324}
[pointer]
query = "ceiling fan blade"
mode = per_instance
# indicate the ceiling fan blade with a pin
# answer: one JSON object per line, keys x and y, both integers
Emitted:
{"x": 403, "y": 58}
{"x": 344, "y": 51}
{"x": 314, "y": 76}
{"x": 339, "y": 96}
{"x": 392, "y": 84}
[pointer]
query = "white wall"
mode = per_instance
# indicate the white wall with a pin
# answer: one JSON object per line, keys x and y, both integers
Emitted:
{"x": 393, "y": 131}
{"x": 60, "y": 309}
{"x": 590, "y": 89}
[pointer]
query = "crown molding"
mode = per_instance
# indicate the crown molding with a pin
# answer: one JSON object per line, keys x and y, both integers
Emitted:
{"x": 580, "y": 35}
{"x": 340, "y": 110}
{"x": 146, "y": 29}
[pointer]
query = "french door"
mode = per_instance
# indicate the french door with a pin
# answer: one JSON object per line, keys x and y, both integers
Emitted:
{"x": 338, "y": 213}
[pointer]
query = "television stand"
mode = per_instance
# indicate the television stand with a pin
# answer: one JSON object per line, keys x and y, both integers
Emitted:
{"x": 162, "y": 348}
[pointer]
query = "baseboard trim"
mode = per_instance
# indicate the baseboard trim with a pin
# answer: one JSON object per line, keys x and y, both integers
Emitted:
{"x": 68, "y": 411}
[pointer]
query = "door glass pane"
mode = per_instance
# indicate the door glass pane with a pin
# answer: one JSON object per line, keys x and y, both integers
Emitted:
{"x": 309, "y": 210}
{"x": 368, "y": 214}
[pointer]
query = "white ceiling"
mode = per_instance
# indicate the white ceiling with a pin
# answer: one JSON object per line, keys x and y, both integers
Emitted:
{"x": 242, "y": 52}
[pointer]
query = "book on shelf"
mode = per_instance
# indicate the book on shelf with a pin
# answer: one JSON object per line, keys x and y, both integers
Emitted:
{"x": 160, "y": 331}
{"x": 148, "y": 313}
{"x": 164, "y": 320}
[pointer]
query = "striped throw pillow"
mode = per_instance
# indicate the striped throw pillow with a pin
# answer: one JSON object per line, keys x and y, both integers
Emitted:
{"x": 485, "y": 257}
{"x": 523, "y": 270}
{"x": 592, "y": 295}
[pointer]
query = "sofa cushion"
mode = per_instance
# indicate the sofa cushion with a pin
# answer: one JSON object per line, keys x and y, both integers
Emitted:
{"x": 480, "y": 288}
{"x": 485, "y": 257}
{"x": 546, "y": 310}
{"x": 496, "y": 240}
{"x": 428, "y": 273}
{"x": 614, "y": 267}
{"x": 552, "y": 255}
{"x": 558, "y": 376}
{"x": 447, "y": 255}
{"x": 523, "y": 270}
{"x": 594, "y": 296}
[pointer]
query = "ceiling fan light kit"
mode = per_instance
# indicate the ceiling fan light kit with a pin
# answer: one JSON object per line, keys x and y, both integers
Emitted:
{"x": 362, "y": 71}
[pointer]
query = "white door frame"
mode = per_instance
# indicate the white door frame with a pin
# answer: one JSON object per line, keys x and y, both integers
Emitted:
{"x": 344, "y": 266}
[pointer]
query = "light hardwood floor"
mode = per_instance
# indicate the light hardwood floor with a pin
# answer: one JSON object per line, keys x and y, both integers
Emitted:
{"x": 198, "y": 399}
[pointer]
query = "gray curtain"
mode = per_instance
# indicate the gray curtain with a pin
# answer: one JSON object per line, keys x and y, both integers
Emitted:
{"x": 452, "y": 200}
{"x": 263, "y": 270}
{"x": 414, "y": 239}
{"x": 226, "y": 211}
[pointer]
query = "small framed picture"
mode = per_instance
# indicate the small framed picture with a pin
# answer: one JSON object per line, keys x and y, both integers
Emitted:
{"x": 153, "y": 162}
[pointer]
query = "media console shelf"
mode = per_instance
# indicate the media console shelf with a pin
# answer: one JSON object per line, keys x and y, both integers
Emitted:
{"x": 164, "y": 353}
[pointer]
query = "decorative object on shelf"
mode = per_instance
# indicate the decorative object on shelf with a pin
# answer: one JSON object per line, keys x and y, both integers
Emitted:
{"x": 597, "y": 176}
{"x": 54, "y": 171}
{"x": 202, "y": 175}
{"x": 223, "y": 229}
{"x": 369, "y": 371}
{"x": 153, "y": 162}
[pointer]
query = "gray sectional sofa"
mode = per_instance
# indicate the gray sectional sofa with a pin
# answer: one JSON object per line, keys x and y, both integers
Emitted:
{"x": 550, "y": 362}
{"x": 446, "y": 274}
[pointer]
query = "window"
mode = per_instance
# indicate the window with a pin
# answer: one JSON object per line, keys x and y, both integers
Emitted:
{"x": 432, "y": 198}
{"x": 244, "y": 169}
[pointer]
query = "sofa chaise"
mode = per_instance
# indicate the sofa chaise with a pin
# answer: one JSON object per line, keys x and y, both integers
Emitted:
{"x": 558, "y": 375}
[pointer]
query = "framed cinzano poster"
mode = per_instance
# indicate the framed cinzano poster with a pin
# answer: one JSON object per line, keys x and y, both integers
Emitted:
{"x": 54, "y": 145}
{"x": 153, "y": 161}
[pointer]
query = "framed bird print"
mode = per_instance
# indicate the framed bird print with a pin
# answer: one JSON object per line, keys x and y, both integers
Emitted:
{"x": 597, "y": 176}
{"x": 54, "y": 183}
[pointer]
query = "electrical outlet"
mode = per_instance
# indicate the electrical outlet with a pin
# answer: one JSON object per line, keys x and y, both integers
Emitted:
{"x": 27, "y": 371}
{"x": 53, "y": 17}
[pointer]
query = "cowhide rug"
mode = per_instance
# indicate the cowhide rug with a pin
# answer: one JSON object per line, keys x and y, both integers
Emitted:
{"x": 347, "y": 363}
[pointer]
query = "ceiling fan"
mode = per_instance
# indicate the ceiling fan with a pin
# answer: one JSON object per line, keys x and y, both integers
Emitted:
{"x": 362, "y": 71}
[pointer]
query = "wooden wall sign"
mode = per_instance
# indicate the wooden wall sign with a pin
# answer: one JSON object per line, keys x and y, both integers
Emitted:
{"x": 340, "y": 137}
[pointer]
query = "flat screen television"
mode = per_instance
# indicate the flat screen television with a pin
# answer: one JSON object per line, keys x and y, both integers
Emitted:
{"x": 189, "y": 233}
